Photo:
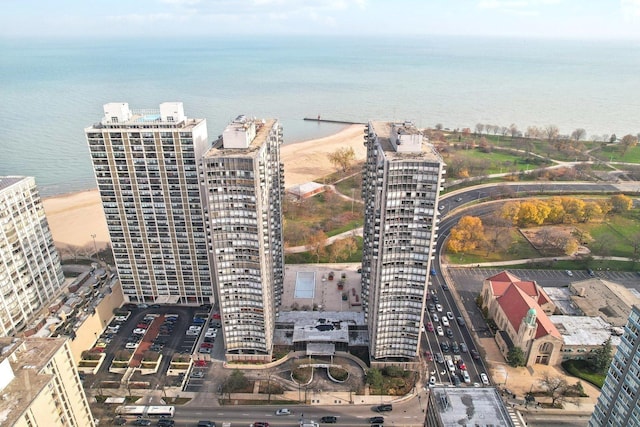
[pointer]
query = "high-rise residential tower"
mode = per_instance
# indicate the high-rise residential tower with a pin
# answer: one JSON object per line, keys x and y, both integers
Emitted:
{"x": 401, "y": 184}
{"x": 243, "y": 188}
{"x": 146, "y": 167}
{"x": 40, "y": 385}
{"x": 619, "y": 401}
{"x": 30, "y": 271}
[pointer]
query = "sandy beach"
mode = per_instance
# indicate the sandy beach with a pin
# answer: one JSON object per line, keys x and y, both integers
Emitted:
{"x": 74, "y": 218}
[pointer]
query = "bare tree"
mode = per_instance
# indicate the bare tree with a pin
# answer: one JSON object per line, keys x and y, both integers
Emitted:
{"x": 438, "y": 126}
{"x": 504, "y": 130}
{"x": 578, "y": 134}
{"x": 479, "y": 128}
{"x": 551, "y": 132}
{"x": 513, "y": 129}
{"x": 558, "y": 389}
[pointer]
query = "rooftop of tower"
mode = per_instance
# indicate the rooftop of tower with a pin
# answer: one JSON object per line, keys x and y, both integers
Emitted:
{"x": 27, "y": 358}
{"x": 118, "y": 115}
{"x": 402, "y": 141}
{"x": 8, "y": 181}
{"x": 228, "y": 144}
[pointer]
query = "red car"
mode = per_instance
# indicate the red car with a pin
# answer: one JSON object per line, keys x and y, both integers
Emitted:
{"x": 428, "y": 355}
{"x": 142, "y": 326}
{"x": 207, "y": 344}
{"x": 461, "y": 365}
{"x": 200, "y": 363}
{"x": 215, "y": 316}
{"x": 429, "y": 326}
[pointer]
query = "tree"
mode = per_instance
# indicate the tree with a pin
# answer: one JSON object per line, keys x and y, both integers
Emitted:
{"x": 592, "y": 211}
{"x": 342, "y": 158}
{"x": 550, "y": 132}
{"x": 621, "y": 203}
{"x": 558, "y": 389}
{"x": 510, "y": 211}
{"x": 236, "y": 382}
{"x": 627, "y": 142}
{"x": 342, "y": 249}
{"x": 513, "y": 129}
{"x": 466, "y": 235}
{"x": 602, "y": 356}
{"x": 374, "y": 378}
{"x": 316, "y": 244}
{"x": 570, "y": 246}
{"x": 438, "y": 126}
{"x": 515, "y": 357}
{"x": 578, "y": 134}
{"x": 479, "y": 128}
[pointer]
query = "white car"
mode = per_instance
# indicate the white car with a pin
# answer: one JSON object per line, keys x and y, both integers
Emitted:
{"x": 465, "y": 375}
{"x": 484, "y": 378}
{"x": 569, "y": 273}
{"x": 283, "y": 411}
{"x": 445, "y": 321}
{"x": 440, "y": 331}
{"x": 131, "y": 345}
{"x": 193, "y": 332}
{"x": 211, "y": 333}
{"x": 139, "y": 331}
{"x": 432, "y": 381}
{"x": 439, "y": 308}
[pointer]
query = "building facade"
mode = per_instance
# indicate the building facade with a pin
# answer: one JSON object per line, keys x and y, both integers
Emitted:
{"x": 243, "y": 189}
{"x": 402, "y": 179}
{"x": 30, "y": 271}
{"x": 146, "y": 168}
{"x": 40, "y": 385}
{"x": 619, "y": 401}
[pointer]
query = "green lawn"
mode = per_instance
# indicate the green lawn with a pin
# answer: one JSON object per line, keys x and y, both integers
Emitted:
{"x": 614, "y": 153}
{"x": 520, "y": 248}
{"x": 582, "y": 369}
{"x": 498, "y": 161}
{"x": 621, "y": 228}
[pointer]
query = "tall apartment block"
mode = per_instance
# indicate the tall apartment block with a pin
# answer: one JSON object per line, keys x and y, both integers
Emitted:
{"x": 30, "y": 271}
{"x": 146, "y": 168}
{"x": 40, "y": 385}
{"x": 401, "y": 184}
{"x": 243, "y": 188}
{"x": 619, "y": 401}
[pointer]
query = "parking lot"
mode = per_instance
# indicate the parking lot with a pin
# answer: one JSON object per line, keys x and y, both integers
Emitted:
{"x": 167, "y": 330}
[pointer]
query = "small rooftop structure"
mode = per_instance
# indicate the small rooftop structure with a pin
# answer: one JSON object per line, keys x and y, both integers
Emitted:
{"x": 561, "y": 297}
{"x": 402, "y": 141}
{"x": 306, "y": 190}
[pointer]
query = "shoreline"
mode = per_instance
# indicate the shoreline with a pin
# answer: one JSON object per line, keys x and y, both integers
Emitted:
{"x": 76, "y": 217}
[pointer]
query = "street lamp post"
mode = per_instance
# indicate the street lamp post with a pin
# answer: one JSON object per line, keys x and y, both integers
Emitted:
{"x": 95, "y": 247}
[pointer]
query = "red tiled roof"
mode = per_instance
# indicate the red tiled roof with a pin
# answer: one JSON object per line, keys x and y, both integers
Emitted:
{"x": 516, "y": 302}
{"x": 501, "y": 281}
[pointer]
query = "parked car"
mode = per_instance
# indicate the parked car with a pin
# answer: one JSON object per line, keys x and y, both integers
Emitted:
{"x": 444, "y": 346}
{"x": 139, "y": 331}
{"x": 439, "y": 358}
{"x": 463, "y": 347}
{"x": 197, "y": 374}
{"x": 440, "y": 331}
{"x": 429, "y": 356}
{"x": 192, "y": 332}
{"x": 429, "y": 326}
{"x": 449, "y": 333}
{"x": 445, "y": 321}
{"x": 454, "y": 347}
{"x": 439, "y": 308}
{"x": 206, "y": 344}
{"x": 475, "y": 354}
{"x": 131, "y": 345}
{"x": 590, "y": 272}
{"x": 432, "y": 381}
{"x": 450, "y": 315}
{"x": 569, "y": 273}
{"x": 460, "y": 320}
{"x": 204, "y": 350}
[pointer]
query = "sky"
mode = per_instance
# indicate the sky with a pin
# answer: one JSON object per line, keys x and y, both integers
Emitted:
{"x": 575, "y": 19}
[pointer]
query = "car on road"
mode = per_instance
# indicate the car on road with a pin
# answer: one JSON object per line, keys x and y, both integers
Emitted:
{"x": 439, "y": 308}
{"x": 259, "y": 424}
{"x": 441, "y": 207}
{"x": 444, "y": 346}
{"x": 454, "y": 347}
{"x": 429, "y": 326}
{"x": 283, "y": 411}
{"x": 435, "y": 318}
{"x": 450, "y": 315}
{"x": 376, "y": 420}
{"x": 429, "y": 356}
{"x": 484, "y": 378}
{"x": 431, "y": 307}
{"x": 165, "y": 422}
{"x": 432, "y": 381}
{"x": 119, "y": 421}
{"x": 440, "y": 331}
{"x": 329, "y": 419}
{"x": 439, "y": 358}
{"x": 449, "y": 333}
{"x": 458, "y": 199}
{"x": 445, "y": 321}
{"x": 142, "y": 422}
{"x": 460, "y": 320}
{"x": 463, "y": 347}
{"x": 385, "y": 407}
{"x": 465, "y": 376}
{"x": 475, "y": 354}
{"x": 569, "y": 273}
{"x": 206, "y": 423}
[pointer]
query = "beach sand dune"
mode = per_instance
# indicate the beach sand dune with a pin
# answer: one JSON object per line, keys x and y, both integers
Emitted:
{"x": 74, "y": 218}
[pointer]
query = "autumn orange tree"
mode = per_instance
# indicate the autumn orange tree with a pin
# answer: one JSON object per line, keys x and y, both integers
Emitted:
{"x": 560, "y": 210}
{"x": 621, "y": 203}
{"x": 316, "y": 244}
{"x": 467, "y": 235}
